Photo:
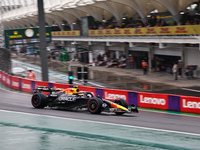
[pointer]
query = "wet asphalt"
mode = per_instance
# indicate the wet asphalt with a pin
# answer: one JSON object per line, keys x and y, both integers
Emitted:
{"x": 20, "y": 102}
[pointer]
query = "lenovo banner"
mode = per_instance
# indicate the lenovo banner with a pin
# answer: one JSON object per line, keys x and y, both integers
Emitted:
{"x": 87, "y": 89}
{"x": 99, "y": 92}
{"x": 111, "y": 94}
{"x": 0, "y": 75}
{"x": 60, "y": 86}
{"x": 15, "y": 82}
{"x": 8, "y": 80}
{"x": 4, "y": 78}
{"x": 190, "y": 104}
{"x": 40, "y": 83}
{"x": 133, "y": 98}
{"x": 26, "y": 85}
{"x": 150, "y": 100}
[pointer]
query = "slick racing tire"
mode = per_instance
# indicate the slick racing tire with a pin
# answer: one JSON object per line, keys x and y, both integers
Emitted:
{"x": 39, "y": 100}
{"x": 95, "y": 105}
{"x": 121, "y": 102}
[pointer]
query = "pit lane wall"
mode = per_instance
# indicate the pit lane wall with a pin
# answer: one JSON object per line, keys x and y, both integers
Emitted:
{"x": 141, "y": 99}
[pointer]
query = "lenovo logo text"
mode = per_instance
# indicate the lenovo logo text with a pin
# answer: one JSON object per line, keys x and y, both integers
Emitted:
{"x": 190, "y": 104}
{"x": 114, "y": 96}
{"x": 26, "y": 86}
{"x": 16, "y": 84}
{"x": 150, "y": 100}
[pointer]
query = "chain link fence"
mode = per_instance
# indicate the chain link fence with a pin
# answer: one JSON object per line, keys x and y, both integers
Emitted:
{"x": 5, "y": 60}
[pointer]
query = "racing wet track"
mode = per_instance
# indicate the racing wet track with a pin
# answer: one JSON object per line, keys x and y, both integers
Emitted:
{"x": 57, "y": 129}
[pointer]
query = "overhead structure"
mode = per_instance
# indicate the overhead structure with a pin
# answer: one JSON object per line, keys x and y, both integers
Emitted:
{"x": 23, "y": 13}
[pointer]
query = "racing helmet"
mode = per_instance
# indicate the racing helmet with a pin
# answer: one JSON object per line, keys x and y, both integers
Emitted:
{"x": 76, "y": 89}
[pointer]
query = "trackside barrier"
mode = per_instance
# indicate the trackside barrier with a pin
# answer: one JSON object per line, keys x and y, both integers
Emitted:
{"x": 174, "y": 103}
{"x": 0, "y": 75}
{"x": 99, "y": 92}
{"x": 133, "y": 98}
{"x": 190, "y": 104}
{"x": 59, "y": 86}
{"x": 3, "y": 78}
{"x": 149, "y": 100}
{"x": 111, "y": 94}
{"x": 15, "y": 82}
{"x": 26, "y": 85}
{"x": 178, "y": 103}
{"x": 8, "y": 80}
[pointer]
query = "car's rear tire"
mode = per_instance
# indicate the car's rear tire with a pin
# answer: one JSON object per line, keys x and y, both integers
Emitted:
{"x": 95, "y": 105}
{"x": 39, "y": 100}
{"x": 121, "y": 102}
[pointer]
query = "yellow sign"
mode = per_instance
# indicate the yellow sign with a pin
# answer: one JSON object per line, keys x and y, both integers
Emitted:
{"x": 15, "y": 36}
{"x": 15, "y": 32}
{"x": 165, "y": 30}
{"x": 66, "y": 33}
{"x": 47, "y": 34}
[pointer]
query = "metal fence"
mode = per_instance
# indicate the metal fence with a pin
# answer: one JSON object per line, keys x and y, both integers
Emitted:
{"x": 5, "y": 60}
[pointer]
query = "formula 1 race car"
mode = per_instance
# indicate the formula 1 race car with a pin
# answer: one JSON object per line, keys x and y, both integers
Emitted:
{"x": 72, "y": 99}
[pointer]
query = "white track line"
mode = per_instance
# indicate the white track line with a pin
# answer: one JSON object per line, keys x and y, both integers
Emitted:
{"x": 96, "y": 84}
{"x": 114, "y": 124}
{"x": 191, "y": 90}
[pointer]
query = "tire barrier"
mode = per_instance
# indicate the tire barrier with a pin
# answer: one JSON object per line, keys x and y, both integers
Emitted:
{"x": 179, "y": 103}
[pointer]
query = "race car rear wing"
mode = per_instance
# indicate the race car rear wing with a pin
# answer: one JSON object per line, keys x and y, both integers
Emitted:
{"x": 39, "y": 89}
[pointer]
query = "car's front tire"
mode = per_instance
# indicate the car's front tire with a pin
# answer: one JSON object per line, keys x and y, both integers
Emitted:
{"x": 39, "y": 100}
{"x": 95, "y": 105}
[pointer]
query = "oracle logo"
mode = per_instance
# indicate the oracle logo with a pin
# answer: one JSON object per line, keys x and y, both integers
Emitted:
{"x": 114, "y": 96}
{"x": 26, "y": 86}
{"x": 15, "y": 84}
{"x": 150, "y": 100}
{"x": 190, "y": 104}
